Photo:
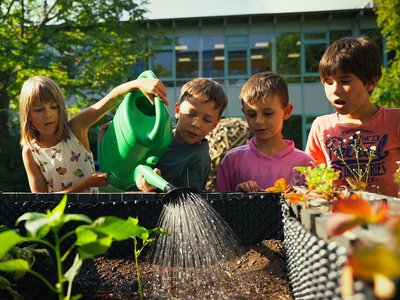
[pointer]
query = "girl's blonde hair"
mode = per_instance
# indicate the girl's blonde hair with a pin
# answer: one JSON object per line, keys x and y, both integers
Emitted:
{"x": 43, "y": 90}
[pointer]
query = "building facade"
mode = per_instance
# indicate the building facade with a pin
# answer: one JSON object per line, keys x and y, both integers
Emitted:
{"x": 231, "y": 47}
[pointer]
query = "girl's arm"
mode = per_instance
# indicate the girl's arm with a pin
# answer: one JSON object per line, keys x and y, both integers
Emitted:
{"x": 37, "y": 183}
{"x": 94, "y": 180}
{"x": 81, "y": 123}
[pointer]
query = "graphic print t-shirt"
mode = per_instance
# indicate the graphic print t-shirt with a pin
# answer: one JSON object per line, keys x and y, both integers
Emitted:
{"x": 329, "y": 139}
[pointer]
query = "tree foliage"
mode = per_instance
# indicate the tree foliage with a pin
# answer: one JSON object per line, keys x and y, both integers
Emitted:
{"x": 83, "y": 45}
{"x": 87, "y": 47}
{"x": 388, "y": 18}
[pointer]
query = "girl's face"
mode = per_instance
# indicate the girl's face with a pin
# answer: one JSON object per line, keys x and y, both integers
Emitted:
{"x": 196, "y": 118}
{"x": 265, "y": 118}
{"x": 348, "y": 94}
{"x": 44, "y": 117}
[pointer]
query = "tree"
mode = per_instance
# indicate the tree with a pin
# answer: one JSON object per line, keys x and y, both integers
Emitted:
{"x": 87, "y": 47}
{"x": 388, "y": 18}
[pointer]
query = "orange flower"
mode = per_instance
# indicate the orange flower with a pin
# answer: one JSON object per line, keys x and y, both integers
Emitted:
{"x": 353, "y": 211}
{"x": 295, "y": 198}
{"x": 361, "y": 209}
{"x": 280, "y": 186}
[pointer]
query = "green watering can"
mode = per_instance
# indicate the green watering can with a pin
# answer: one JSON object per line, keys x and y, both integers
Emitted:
{"x": 138, "y": 135}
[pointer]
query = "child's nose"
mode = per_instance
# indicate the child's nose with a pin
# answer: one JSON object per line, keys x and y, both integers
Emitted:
{"x": 48, "y": 113}
{"x": 335, "y": 87}
{"x": 259, "y": 120}
{"x": 196, "y": 122}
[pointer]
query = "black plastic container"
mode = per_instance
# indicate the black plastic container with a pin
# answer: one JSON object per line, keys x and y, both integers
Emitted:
{"x": 253, "y": 217}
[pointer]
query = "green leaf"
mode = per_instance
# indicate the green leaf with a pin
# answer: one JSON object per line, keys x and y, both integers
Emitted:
{"x": 100, "y": 246}
{"x": 77, "y": 217}
{"x": 60, "y": 208}
{"x": 14, "y": 265}
{"x": 74, "y": 269}
{"x": 119, "y": 229}
{"x": 9, "y": 239}
{"x": 85, "y": 235}
{"x": 37, "y": 224}
{"x": 159, "y": 230}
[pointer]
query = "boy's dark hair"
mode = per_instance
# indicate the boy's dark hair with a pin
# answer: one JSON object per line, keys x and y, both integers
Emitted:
{"x": 359, "y": 56}
{"x": 208, "y": 88}
{"x": 263, "y": 84}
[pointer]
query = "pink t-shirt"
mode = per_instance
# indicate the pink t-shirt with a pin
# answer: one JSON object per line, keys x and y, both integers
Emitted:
{"x": 381, "y": 131}
{"x": 246, "y": 163}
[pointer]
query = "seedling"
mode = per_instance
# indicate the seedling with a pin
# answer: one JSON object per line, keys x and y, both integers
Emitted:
{"x": 360, "y": 168}
{"x": 92, "y": 239}
{"x": 320, "y": 179}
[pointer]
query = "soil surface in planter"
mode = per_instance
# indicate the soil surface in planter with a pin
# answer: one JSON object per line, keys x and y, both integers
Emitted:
{"x": 260, "y": 273}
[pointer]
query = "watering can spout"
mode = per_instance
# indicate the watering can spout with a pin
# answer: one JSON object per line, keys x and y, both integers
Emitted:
{"x": 172, "y": 192}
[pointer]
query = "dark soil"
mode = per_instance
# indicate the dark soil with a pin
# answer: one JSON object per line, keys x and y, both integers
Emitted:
{"x": 258, "y": 274}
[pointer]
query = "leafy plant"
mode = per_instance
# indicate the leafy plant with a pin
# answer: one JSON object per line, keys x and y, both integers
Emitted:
{"x": 360, "y": 171}
{"x": 92, "y": 239}
{"x": 319, "y": 181}
{"x": 320, "y": 178}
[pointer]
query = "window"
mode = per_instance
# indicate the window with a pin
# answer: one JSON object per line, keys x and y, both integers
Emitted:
{"x": 162, "y": 63}
{"x": 288, "y": 53}
{"x": 338, "y": 34}
{"x": 237, "y": 56}
{"x": 187, "y": 57}
{"x": 260, "y": 53}
{"x": 315, "y": 44}
{"x": 213, "y": 56}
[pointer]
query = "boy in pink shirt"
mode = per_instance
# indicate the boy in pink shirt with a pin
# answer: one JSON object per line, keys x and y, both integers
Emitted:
{"x": 350, "y": 69}
{"x": 267, "y": 156}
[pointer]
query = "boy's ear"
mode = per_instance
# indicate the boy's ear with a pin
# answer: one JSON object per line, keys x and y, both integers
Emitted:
{"x": 288, "y": 111}
{"x": 177, "y": 110}
{"x": 371, "y": 86}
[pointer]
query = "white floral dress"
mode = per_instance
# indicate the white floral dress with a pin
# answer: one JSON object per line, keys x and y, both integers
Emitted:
{"x": 64, "y": 164}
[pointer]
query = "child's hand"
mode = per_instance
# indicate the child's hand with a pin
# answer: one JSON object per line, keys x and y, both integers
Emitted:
{"x": 151, "y": 87}
{"x": 248, "y": 186}
{"x": 97, "y": 180}
{"x": 142, "y": 184}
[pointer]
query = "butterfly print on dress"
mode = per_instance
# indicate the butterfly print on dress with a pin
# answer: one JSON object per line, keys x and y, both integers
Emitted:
{"x": 78, "y": 173}
{"x": 61, "y": 171}
{"x": 75, "y": 157}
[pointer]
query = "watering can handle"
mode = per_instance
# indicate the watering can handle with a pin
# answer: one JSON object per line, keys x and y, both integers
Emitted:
{"x": 158, "y": 107}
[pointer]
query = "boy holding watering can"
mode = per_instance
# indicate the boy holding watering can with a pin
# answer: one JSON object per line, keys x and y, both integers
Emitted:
{"x": 186, "y": 162}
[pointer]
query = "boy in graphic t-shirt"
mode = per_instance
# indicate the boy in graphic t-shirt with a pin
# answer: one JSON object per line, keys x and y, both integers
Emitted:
{"x": 350, "y": 69}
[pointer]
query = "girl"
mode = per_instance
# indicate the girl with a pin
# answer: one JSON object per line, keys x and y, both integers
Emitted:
{"x": 55, "y": 151}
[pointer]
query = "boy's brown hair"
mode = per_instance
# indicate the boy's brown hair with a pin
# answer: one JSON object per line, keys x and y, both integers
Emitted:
{"x": 206, "y": 87}
{"x": 359, "y": 56}
{"x": 264, "y": 84}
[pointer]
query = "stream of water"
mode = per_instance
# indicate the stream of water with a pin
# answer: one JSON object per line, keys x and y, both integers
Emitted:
{"x": 191, "y": 263}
